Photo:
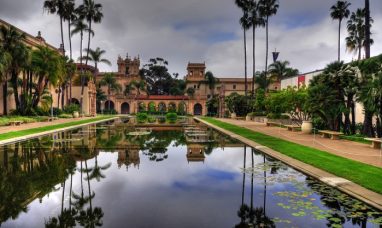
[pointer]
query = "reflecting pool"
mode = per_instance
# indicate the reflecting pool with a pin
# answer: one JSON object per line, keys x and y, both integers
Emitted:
{"x": 117, "y": 175}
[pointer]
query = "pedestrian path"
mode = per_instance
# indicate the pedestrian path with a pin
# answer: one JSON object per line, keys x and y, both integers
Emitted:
{"x": 344, "y": 148}
{"x": 24, "y": 126}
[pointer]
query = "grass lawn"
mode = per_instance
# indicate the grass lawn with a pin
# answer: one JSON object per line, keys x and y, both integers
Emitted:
{"x": 14, "y": 134}
{"x": 365, "y": 175}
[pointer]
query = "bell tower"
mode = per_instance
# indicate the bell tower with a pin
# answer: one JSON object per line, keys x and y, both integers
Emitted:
{"x": 195, "y": 71}
{"x": 129, "y": 66}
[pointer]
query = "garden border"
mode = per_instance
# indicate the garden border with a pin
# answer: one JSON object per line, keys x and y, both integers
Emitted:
{"x": 357, "y": 191}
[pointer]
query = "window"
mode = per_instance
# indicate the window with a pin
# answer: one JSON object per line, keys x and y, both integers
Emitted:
{"x": 201, "y": 72}
{"x": 234, "y": 86}
{"x": 191, "y": 73}
{"x": 194, "y": 86}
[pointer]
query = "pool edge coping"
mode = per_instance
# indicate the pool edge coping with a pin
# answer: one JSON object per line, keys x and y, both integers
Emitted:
{"x": 36, "y": 135}
{"x": 355, "y": 190}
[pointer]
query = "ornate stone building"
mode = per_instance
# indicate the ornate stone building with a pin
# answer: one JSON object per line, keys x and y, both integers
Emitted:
{"x": 128, "y": 71}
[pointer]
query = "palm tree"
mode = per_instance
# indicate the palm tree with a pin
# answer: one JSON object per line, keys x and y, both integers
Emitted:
{"x": 280, "y": 70}
{"x": 110, "y": 81}
{"x": 356, "y": 29}
{"x": 95, "y": 56}
{"x": 256, "y": 21}
{"x": 5, "y": 61}
{"x": 48, "y": 67}
{"x": 80, "y": 27}
{"x": 245, "y": 23}
{"x": 57, "y": 7}
{"x": 211, "y": 81}
{"x": 339, "y": 11}
{"x": 267, "y": 9}
{"x": 90, "y": 11}
{"x": 69, "y": 15}
{"x": 262, "y": 80}
{"x": 18, "y": 57}
{"x": 367, "y": 29}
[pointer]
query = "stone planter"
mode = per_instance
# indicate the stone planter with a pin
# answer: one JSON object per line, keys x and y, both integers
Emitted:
{"x": 233, "y": 115}
{"x": 76, "y": 114}
{"x": 306, "y": 127}
{"x": 248, "y": 118}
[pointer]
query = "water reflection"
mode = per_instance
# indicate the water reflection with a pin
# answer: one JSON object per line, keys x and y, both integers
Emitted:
{"x": 103, "y": 176}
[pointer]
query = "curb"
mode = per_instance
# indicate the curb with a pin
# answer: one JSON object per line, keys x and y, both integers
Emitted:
{"x": 357, "y": 191}
{"x": 36, "y": 135}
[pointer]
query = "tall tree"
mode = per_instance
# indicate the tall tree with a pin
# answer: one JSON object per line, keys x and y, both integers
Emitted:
{"x": 5, "y": 61}
{"x": 357, "y": 30}
{"x": 80, "y": 27}
{"x": 95, "y": 56}
{"x": 110, "y": 81}
{"x": 69, "y": 15}
{"x": 57, "y": 7}
{"x": 18, "y": 57}
{"x": 245, "y": 23}
{"x": 91, "y": 12}
{"x": 367, "y": 29}
{"x": 281, "y": 69}
{"x": 339, "y": 11}
{"x": 256, "y": 21}
{"x": 267, "y": 9}
{"x": 211, "y": 81}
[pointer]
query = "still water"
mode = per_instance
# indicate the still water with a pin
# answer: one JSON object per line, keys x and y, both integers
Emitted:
{"x": 115, "y": 175}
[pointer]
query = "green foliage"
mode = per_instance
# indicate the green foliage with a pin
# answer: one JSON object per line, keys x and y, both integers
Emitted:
{"x": 171, "y": 117}
{"x": 260, "y": 100}
{"x": 151, "y": 108}
{"x": 182, "y": 108}
{"x": 365, "y": 175}
{"x": 239, "y": 104}
{"x": 70, "y": 108}
{"x": 151, "y": 119}
{"x": 65, "y": 116}
{"x": 142, "y": 117}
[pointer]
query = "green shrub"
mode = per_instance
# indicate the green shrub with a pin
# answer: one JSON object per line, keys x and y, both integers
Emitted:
{"x": 274, "y": 116}
{"x": 65, "y": 116}
{"x": 151, "y": 119}
{"x": 161, "y": 119}
{"x": 69, "y": 109}
{"x": 171, "y": 117}
{"x": 142, "y": 117}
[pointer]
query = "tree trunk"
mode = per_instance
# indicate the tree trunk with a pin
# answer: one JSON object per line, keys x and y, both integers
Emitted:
{"x": 14, "y": 79}
{"x": 254, "y": 60}
{"x": 5, "y": 96}
{"x": 70, "y": 40}
{"x": 245, "y": 62}
{"x": 353, "y": 123}
{"x": 368, "y": 125}
{"x": 87, "y": 53}
{"x": 82, "y": 76}
{"x": 58, "y": 97}
{"x": 62, "y": 35}
{"x": 367, "y": 29}
{"x": 266, "y": 45}
{"x": 63, "y": 96}
{"x": 339, "y": 41}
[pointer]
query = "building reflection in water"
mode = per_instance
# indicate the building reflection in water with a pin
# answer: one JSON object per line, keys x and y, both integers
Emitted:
{"x": 195, "y": 153}
{"x": 129, "y": 157}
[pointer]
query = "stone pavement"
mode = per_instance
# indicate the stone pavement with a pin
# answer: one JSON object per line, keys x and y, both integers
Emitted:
{"x": 344, "y": 148}
{"x": 6, "y": 129}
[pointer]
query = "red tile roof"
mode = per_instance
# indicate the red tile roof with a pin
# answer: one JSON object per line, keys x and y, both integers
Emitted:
{"x": 162, "y": 97}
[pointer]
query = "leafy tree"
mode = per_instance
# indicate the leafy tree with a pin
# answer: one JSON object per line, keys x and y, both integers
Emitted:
{"x": 245, "y": 22}
{"x": 280, "y": 70}
{"x": 262, "y": 80}
{"x": 356, "y": 29}
{"x": 257, "y": 21}
{"x": 57, "y": 7}
{"x": 367, "y": 29}
{"x": 158, "y": 80}
{"x": 267, "y": 9}
{"x": 110, "y": 81}
{"x": 238, "y": 104}
{"x": 260, "y": 100}
{"x": 339, "y": 11}
{"x": 95, "y": 56}
{"x": 69, "y": 15}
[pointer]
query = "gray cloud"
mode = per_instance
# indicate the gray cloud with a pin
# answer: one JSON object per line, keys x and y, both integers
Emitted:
{"x": 200, "y": 30}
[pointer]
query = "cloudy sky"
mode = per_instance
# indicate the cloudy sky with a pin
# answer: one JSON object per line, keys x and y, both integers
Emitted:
{"x": 202, "y": 31}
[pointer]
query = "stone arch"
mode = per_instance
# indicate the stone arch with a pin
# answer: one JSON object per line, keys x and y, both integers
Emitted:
{"x": 125, "y": 108}
{"x": 75, "y": 101}
{"x": 141, "y": 107}
{"x": 171, "y": 107}
{"x": 151, "y": 107}
{"x": 198, "y": 109}
{"x": 182, "y": 108}
{"x": 162, "y": 107}
{"x": 109, "y": 105}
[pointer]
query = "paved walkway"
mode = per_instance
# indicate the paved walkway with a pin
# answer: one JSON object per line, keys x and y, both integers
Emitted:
{"x": 6, "y": 129}
{"x": 344, "y": 148}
